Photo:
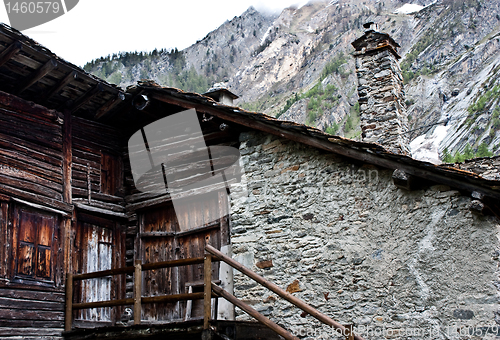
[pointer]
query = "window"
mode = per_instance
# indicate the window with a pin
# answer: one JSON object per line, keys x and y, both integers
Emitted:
{"x": 34, "y": 241}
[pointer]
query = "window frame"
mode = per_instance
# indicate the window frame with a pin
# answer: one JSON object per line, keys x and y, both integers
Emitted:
{"x": 16, "y": 219}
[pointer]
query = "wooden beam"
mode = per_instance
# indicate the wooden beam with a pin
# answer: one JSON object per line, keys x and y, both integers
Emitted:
{"x": 207, "y": 291}
{"x": 39, "y": 74}
{"x": 22, "y": 105}
{"x": 130, "y": 301}
{"x": 103, "y": 273}
{"x": 67, "y": 157}
{"x": 360, "y": 155}
{"x": 102, "y": 304}
{"x": 137, "y": 292}
{"x": 68, "y": 320}
{"x": 110, "y": 105}
{"x": 84, "y": 99}
{"x": 253, "y": 313}
{"x": 10, "y": 51}
{"x": 92, "y": 209}
{"x": 174, "y": 263}
{"x": 402, "y": 180}
{"x": 172, "y": 298}
{"x": 55, "y": 90}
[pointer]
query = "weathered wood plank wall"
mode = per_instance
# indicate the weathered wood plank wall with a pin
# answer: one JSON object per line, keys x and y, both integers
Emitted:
{"x": 98, "y": 190}
{"x": 32, "y": 211}
{"x": 31, "y": 152}
{"x": 46, "y": 166}
{"x": 97, "y": 165}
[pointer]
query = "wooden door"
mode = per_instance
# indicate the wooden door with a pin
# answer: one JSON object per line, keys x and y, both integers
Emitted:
{"x": 162, "y": 240}
{"x": 95, "y": 245}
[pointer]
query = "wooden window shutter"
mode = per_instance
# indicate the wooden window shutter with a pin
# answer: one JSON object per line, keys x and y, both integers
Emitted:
{"x": 35, "y": 245}
{"x": 26, "y": 249}
{"x": 44, "y": 247}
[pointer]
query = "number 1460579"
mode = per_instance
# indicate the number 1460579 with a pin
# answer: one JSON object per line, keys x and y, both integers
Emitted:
{"x": 33, "y": 7}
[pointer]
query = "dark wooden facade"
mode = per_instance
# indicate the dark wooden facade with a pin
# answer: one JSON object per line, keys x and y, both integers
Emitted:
{"x": 44, "y": 235}
{"x": 32, "y": 219}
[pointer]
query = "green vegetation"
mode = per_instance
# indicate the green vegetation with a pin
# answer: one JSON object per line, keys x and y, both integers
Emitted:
{"x": 468, "y": 153}
{"x": 334, "y": 67}
{"x": 410, "y": 58}
{"x": 333, "y": 129}
{"x": 289, "y": 104}
{"x": 495, "y": 119}
{"x": 192, "y": 81}
{"x": 453, "y": 26}
{"x": 116, "y": 69}
{"x": 320, "y": 98}
{"x": 351, "y": 122}
{"x": 481, "y": 103}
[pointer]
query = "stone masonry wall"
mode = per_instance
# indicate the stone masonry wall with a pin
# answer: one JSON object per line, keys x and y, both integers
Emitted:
{"x": 344, "y": 239}
{"x": 382, "y": 100}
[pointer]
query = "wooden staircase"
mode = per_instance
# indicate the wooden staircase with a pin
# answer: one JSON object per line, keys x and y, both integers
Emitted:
{"x": 205, "y": 329}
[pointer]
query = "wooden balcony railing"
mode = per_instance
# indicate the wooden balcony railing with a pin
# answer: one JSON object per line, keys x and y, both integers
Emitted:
{"x": 210, "y": 290}
{"x": 138, "y": 300}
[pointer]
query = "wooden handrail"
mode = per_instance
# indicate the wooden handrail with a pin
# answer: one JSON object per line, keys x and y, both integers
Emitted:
{"x": 172, "y": 263}
{"x": 146, "y": 266}
{"x": 253, "y": 313}
{"x": 137, "y": 300}
{"x": 278, "y": 290}
{"x": 210, "y": 290}
{"x": 102, "y": 304}
{"x": 144, "y": 300}
{"x": 103, "y": 273}
{"x": 172, "y": 298}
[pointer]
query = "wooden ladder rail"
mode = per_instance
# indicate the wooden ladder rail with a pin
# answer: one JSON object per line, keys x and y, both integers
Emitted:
{"x": 210, "y": 287}
{"x": 281, "y": 292}
{"x": 253, "y": 313}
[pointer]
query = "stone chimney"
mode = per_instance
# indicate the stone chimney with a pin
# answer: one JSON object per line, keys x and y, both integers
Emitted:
{"x": 221, "y": 94}
{"x": 381, "y": 93}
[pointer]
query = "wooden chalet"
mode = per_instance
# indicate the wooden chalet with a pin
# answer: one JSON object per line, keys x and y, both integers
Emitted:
{"x": 68, "y": 204}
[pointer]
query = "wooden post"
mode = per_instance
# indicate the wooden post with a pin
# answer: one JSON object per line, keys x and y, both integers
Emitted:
{"x": 137, "y": 292}
{"x": 207, "y": 296}
{"x": 69, "y": 302}
{"x": 67, "y": 149}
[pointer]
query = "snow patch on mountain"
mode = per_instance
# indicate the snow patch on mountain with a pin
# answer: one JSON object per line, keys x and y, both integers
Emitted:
{"x": 409, "y": 8}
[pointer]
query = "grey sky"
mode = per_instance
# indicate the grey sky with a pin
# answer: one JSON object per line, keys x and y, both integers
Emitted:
{"x": 97, "y": 28}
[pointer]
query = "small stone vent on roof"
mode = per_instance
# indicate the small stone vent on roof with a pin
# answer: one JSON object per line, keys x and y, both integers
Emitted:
{"x": 221, "y": 94}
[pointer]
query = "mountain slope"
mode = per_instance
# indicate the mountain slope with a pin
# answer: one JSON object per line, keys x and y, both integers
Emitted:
{"x": 298, "y": 66}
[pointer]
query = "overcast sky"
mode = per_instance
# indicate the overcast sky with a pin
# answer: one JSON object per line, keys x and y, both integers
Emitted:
{"x": 96, "y": 28}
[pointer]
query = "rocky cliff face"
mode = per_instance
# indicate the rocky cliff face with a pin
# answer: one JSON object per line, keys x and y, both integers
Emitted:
{"x": 298, "y": 66}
